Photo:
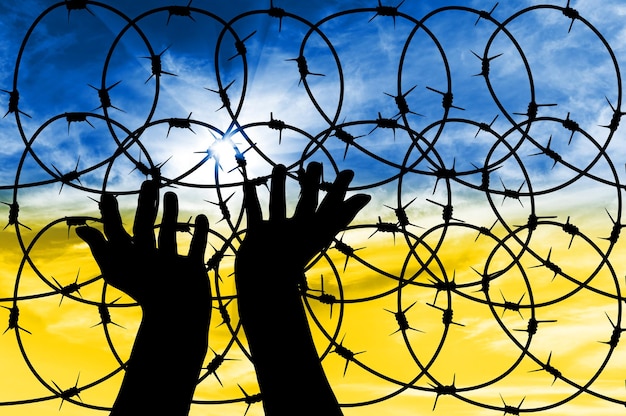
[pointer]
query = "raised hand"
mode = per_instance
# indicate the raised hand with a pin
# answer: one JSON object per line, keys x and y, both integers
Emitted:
{"x": 290, "y": 243}
{"x": 173, "y": 292}
{"x": 268, "y": 270}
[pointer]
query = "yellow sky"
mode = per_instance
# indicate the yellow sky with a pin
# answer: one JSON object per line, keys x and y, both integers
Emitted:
{"x": 65, "y": 345}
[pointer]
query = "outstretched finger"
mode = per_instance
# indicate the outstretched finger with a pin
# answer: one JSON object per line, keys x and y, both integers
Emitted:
{"x": 350, "y": 208}
{"x": 199, "y": 239}
{"x": 96, "y": 242}
{"x": 277, "y": 193}
{"x": 309, "y": 190}
{"x": 330, "y": 224}
{"x": 112, "y": 221}
{"x": 251, "y": 203}
{"x": 145, "y": 216}
{"x": 336, "y": 194}
{"x": 167, "y": 233}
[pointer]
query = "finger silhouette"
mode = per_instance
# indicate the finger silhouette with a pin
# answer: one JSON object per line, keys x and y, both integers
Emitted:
{"x": 145, "y": 216}
{"x": 96, "y": 242}
{"x": 351, "y": 207}
{"x": 337, "y": 192}
{"x": 167, "y": 232}
{"x": 277, "y": 193}
{"x": 251, "y": 203}
{"x": 309, "y": 190}
{"x": 112, "y": 221}
{"x": 199, "y": 239}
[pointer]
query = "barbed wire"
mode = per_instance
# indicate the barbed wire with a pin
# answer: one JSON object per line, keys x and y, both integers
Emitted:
{"x": 424, "y": 289}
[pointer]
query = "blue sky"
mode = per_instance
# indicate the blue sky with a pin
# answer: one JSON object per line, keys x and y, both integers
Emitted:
{"x": 182, "y": 132}
{"x": 63, "y": 57}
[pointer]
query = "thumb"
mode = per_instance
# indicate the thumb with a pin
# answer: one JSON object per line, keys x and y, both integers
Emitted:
{"x": 96, "y": 242}
{"x": 346, "y": 212}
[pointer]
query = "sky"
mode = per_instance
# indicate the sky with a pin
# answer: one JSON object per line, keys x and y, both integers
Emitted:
{"x": 486, "y": 217}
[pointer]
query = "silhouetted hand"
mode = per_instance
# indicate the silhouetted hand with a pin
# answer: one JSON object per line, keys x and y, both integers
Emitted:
{"x": 174, "y": 294}
{"x": 156, "y": 278}
{"x": 290, "y": 243}
{"x": 268, "y": 270}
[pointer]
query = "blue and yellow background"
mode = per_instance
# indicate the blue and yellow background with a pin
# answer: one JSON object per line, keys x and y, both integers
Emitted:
{"x": 511, "y": 219}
